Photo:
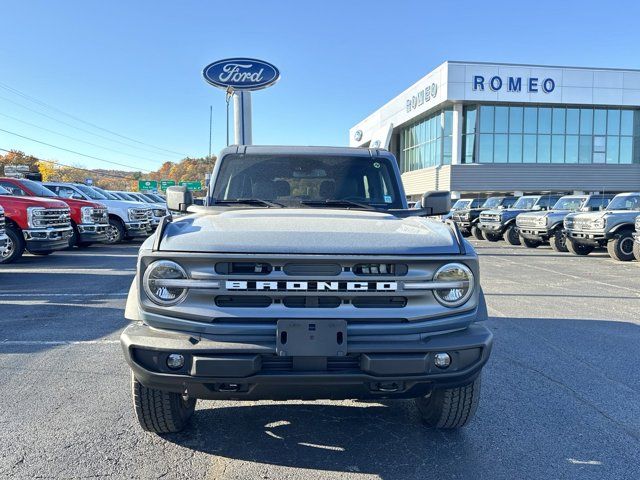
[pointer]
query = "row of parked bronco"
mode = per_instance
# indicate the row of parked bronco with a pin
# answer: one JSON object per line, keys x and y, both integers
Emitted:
{"x": 42, "y": 217}
{"x": 571, "y": 223}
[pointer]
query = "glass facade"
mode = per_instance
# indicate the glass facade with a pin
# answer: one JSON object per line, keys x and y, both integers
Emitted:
{"x": 427, "y": 142}
{"x": 544, "y": 134}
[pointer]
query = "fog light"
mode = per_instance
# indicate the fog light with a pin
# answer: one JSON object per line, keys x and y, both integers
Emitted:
{"x": 176, "y": 361}
{"x": 442, "y": 360}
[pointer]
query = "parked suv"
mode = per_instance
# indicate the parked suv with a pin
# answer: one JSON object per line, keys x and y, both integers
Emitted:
{"x": 126, "y": 219}
{"x": 467, "y": 219}
{"x": 306, "y": 277}
{"x": 40, "y": 226}
{"x": 89, "y": 220}
{"x": 4, "y": 240}
{"x": 462, "y": 204}
{"x": 612, "y": 227}
{"x": 536, "y": 228}
{"x": 497, "y": 224}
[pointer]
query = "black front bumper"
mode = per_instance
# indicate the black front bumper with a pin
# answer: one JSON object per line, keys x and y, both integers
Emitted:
{"x": 492, "y": 227}
{"x": 251, "y": 371}
{"x": 93, "y": 233}
{"x": 589, "y": 238}
{"x": 531, "y": 233}
{"x": 47, "y": 240}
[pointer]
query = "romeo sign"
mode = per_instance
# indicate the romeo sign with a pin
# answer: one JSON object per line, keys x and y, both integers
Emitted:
{"x": 241, "y": 74}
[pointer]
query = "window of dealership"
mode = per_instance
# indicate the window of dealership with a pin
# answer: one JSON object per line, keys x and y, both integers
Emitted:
{"x": 524, "y": 134}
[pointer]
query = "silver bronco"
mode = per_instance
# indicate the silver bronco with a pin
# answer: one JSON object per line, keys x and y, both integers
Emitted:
{"x": 611, "y": 228}
{"x": 306, "y": 276}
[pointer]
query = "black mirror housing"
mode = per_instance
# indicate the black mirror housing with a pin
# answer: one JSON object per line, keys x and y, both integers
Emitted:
{"x": 437, "y": 203}
{"x": 179, "y": 198}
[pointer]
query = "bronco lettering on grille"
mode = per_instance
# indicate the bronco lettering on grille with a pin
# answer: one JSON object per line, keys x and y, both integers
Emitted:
{"x": 317, "y": 286}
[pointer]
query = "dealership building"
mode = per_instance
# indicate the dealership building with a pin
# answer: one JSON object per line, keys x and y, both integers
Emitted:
{"x": 481, "y": 128}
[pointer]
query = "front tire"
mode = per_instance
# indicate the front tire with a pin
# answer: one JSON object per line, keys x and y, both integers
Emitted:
{"x": 578, "y": 248}
{"x": 15, "y": 247}
{"x": 159, "y": 411}
{"x": 115, "y": 232}
{"x": 450, "y": 407}
{"x": 492, "y": 237}
{"x": 511, "y": 236}
{"x": 530, "y": 243}
{"x": 621, "y": 246}
{"x": 558, "y": 241}
{"x": 477, "y": 233}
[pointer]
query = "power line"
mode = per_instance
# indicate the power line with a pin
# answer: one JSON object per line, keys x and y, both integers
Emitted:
{"x": 40, "y": 102}
{"x": 55, "y": 162}
{"x": 71, "y": 151}
{"x": 77, "y": 139}
{"x": 76, "y": 127}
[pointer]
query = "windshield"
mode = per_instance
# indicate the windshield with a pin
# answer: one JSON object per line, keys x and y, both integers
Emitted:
{"x": 154, "y": 197}
{"x": 569, "y": 203}
{"x": 149, "y": 198}
{"x": 107, "y": 195}
{"x": 128, "y": 196}
{"x": 625, "y": 202}
{"x": 525, "y": 203}
{"x": 461, "y": 204}
{"x": 292, "y": 180}
{"x": 37, "y": 188}
{"x": 140, "y": 197}
{"x": 90, "y": 192}
{"x": 492, "y": 202}
{"x": 4, "y": 191}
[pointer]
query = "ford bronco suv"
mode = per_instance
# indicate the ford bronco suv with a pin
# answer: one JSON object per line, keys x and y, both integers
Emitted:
{"x": 306, "y": 276}
{"x": 497, "y": 224}
{"x": 41, "y": 226}
{"x": 89, "y": 220}
{"x": 467, "y": 219}
{"x": 612, "y": 227}
{"x": 536, "y": 228}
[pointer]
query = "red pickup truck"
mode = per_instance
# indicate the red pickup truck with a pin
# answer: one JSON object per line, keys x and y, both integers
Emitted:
{"x": 35, "y": 224}
{"x": 89, "y": 220}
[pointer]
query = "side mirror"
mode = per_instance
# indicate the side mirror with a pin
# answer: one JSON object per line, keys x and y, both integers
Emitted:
{"x": 179, "y": 198}
{"x": 438, "y": 203}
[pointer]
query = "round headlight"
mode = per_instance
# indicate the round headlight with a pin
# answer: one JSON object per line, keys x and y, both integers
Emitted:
{"x": 461, "y": 279}
{"x": 157, "y": 282}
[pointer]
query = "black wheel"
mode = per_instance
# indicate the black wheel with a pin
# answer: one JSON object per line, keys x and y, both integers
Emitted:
{"x": 477, "y": 233}
{"x": 530, "y": 243}
{"x": 558, "y": 241}
{"x": 42, "y": 253}
{"x": 492, "y": 237}
{"x": 15, "y": 246}
{"x": 159, "y": 411}
{"x": 578, "y": 248}
{"x": 115, "y": 231}
{"x": 511, "y": 236}
{"x": 621, "y": 246}
{"x": 450, "y": 407}
{"x": 636, "y": 250}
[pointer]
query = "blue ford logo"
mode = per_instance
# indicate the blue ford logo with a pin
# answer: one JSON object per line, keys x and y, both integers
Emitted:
{"x": 241, "y": 74}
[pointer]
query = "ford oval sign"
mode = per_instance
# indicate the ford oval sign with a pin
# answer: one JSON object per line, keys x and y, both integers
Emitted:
{"x": 241, "y": 74}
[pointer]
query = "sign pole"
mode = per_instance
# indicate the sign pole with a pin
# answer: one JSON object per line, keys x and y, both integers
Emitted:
{"x": 242, "y": 117}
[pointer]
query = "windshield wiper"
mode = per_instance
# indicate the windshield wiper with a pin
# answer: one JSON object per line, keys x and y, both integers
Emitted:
{"x": 249, "y": 201}
{"x": 338, "y": 203}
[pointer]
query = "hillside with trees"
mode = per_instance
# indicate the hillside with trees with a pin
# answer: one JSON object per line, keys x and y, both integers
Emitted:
{"x": 188, "y": 169}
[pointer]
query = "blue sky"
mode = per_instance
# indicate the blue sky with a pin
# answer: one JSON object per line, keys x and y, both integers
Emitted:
{"x": 135, "y": 67}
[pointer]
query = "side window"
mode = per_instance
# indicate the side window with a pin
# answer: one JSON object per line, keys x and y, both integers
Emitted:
{"x": 14, "y": 189}
{"x": 508, "y": 202}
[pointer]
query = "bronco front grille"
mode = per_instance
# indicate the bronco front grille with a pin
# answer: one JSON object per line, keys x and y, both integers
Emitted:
{"x": 523, "y": 221}
{"x": 489, "y": 217}
{"x": 579, "y": 224}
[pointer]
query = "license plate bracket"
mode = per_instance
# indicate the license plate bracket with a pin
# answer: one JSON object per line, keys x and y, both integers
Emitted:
{"x": 311, "y": 338}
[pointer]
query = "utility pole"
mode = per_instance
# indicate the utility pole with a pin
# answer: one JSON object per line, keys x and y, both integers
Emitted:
{"x": 210, "y": 127}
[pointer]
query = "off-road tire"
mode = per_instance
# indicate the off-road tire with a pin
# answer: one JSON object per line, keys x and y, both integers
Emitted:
{"x": 621, "y": 246}
{"x": 450, "y": 407}
{"x": 578, "y": 248}
{"x": 16, "y": 248}
{"x": 159, "y": 411}
{"x": 511, "y": 236}
{"x": 558, "y": 241}
{"x": 492, "y": 237}
{"x": 530, "y": 243}
{"x": 636, "y": 250}
{"x": 477, "y": 233}
{"x": 115, "y": 232}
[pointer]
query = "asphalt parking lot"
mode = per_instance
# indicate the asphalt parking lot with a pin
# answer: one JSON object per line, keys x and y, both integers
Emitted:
{"x": 560, "y": 393}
